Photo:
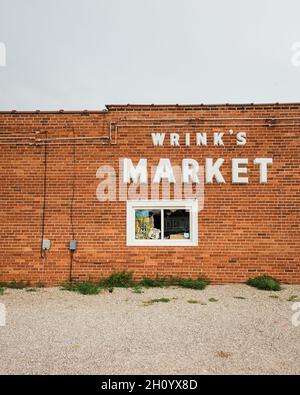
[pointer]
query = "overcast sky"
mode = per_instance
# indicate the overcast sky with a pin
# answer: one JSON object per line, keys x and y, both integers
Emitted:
{"x": 83, "y": 54}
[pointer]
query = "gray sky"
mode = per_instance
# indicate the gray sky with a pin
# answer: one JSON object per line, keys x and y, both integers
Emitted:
{"x": 83, "y": 54}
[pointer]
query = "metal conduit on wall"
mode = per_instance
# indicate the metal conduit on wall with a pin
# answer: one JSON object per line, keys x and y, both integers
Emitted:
{"x": 115, "y": 125}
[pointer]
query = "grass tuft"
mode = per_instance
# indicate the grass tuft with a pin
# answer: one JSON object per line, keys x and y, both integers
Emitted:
{"x": 118, "y": 280}
{"x": 137, "y": 290}
{"x": 193, "y": 284}
{"x": 2, "y": 289}
{"x": 213, "y": 300}
{"x": 294, "y": 298}
{"x": 160, "y": 300}
{"x": 153, "y": 282}
{"x": 265, "y": 282}
{"x": 199, "y": 283}
{"x": 125, "y": 280}
{"x": 15, "y": 284}
{"x": 86, "y": 288}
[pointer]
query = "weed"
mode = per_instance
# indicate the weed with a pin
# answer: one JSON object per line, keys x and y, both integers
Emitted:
{"x": 68, "y": 286}
{"x": 199, "y": 283}
{"x": 294, "y": 298}
{"x": 15, "y": 284}
{"x": 160, "y": 300}
{"x": 2, "y": 290}
{"x": 153, "y": 282}
{"x": 193, "y": 284}
{"x": 273, "y": 296}
{"x": 137, "y": 290}
{"x": 125, "y": 280}
{"x": 83, "y": 288}
{"x": 193, "y": 301}
{"x": 88, "y": 288}
{"x": 31, "y": 290}
{"x": 213, "y": 300}
{"x": 265, "y": 282}
{"x": 163, "y": 300}
{"x": 118, "y": 279}
{"x": 239, "y": 297}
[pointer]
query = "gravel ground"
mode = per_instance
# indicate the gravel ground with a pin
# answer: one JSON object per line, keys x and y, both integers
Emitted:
{"x": 59, "y": 332}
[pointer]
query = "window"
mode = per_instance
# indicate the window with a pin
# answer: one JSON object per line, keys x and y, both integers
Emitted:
{"x": 162, "y": 223}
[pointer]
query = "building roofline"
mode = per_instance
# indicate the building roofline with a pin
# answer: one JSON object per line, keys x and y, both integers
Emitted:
{"x": 202, "y": 105}
{"x": 83, "y": 112}
{"x": 113, "y": 107}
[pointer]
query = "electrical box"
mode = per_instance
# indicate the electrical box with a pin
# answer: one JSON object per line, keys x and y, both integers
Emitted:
{"x": 46, "y": 244}
{"x": 73, "y": 245}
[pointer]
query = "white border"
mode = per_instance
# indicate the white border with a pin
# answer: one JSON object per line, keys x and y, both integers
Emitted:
{"x": 191, "y": 205}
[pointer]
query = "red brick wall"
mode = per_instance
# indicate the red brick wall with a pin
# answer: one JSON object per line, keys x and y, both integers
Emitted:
{"x": 244, "y": 230}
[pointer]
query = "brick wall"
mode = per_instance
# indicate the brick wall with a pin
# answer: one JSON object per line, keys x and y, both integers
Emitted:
{"x": 244, "y": 230}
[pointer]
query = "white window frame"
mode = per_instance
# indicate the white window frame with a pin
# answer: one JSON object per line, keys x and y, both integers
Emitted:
{"x": 191, "y": 205}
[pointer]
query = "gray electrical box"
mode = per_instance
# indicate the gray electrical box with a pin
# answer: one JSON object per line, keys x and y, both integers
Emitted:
{"x": 73, "y": 245}
{"x": 46, "y": 244}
